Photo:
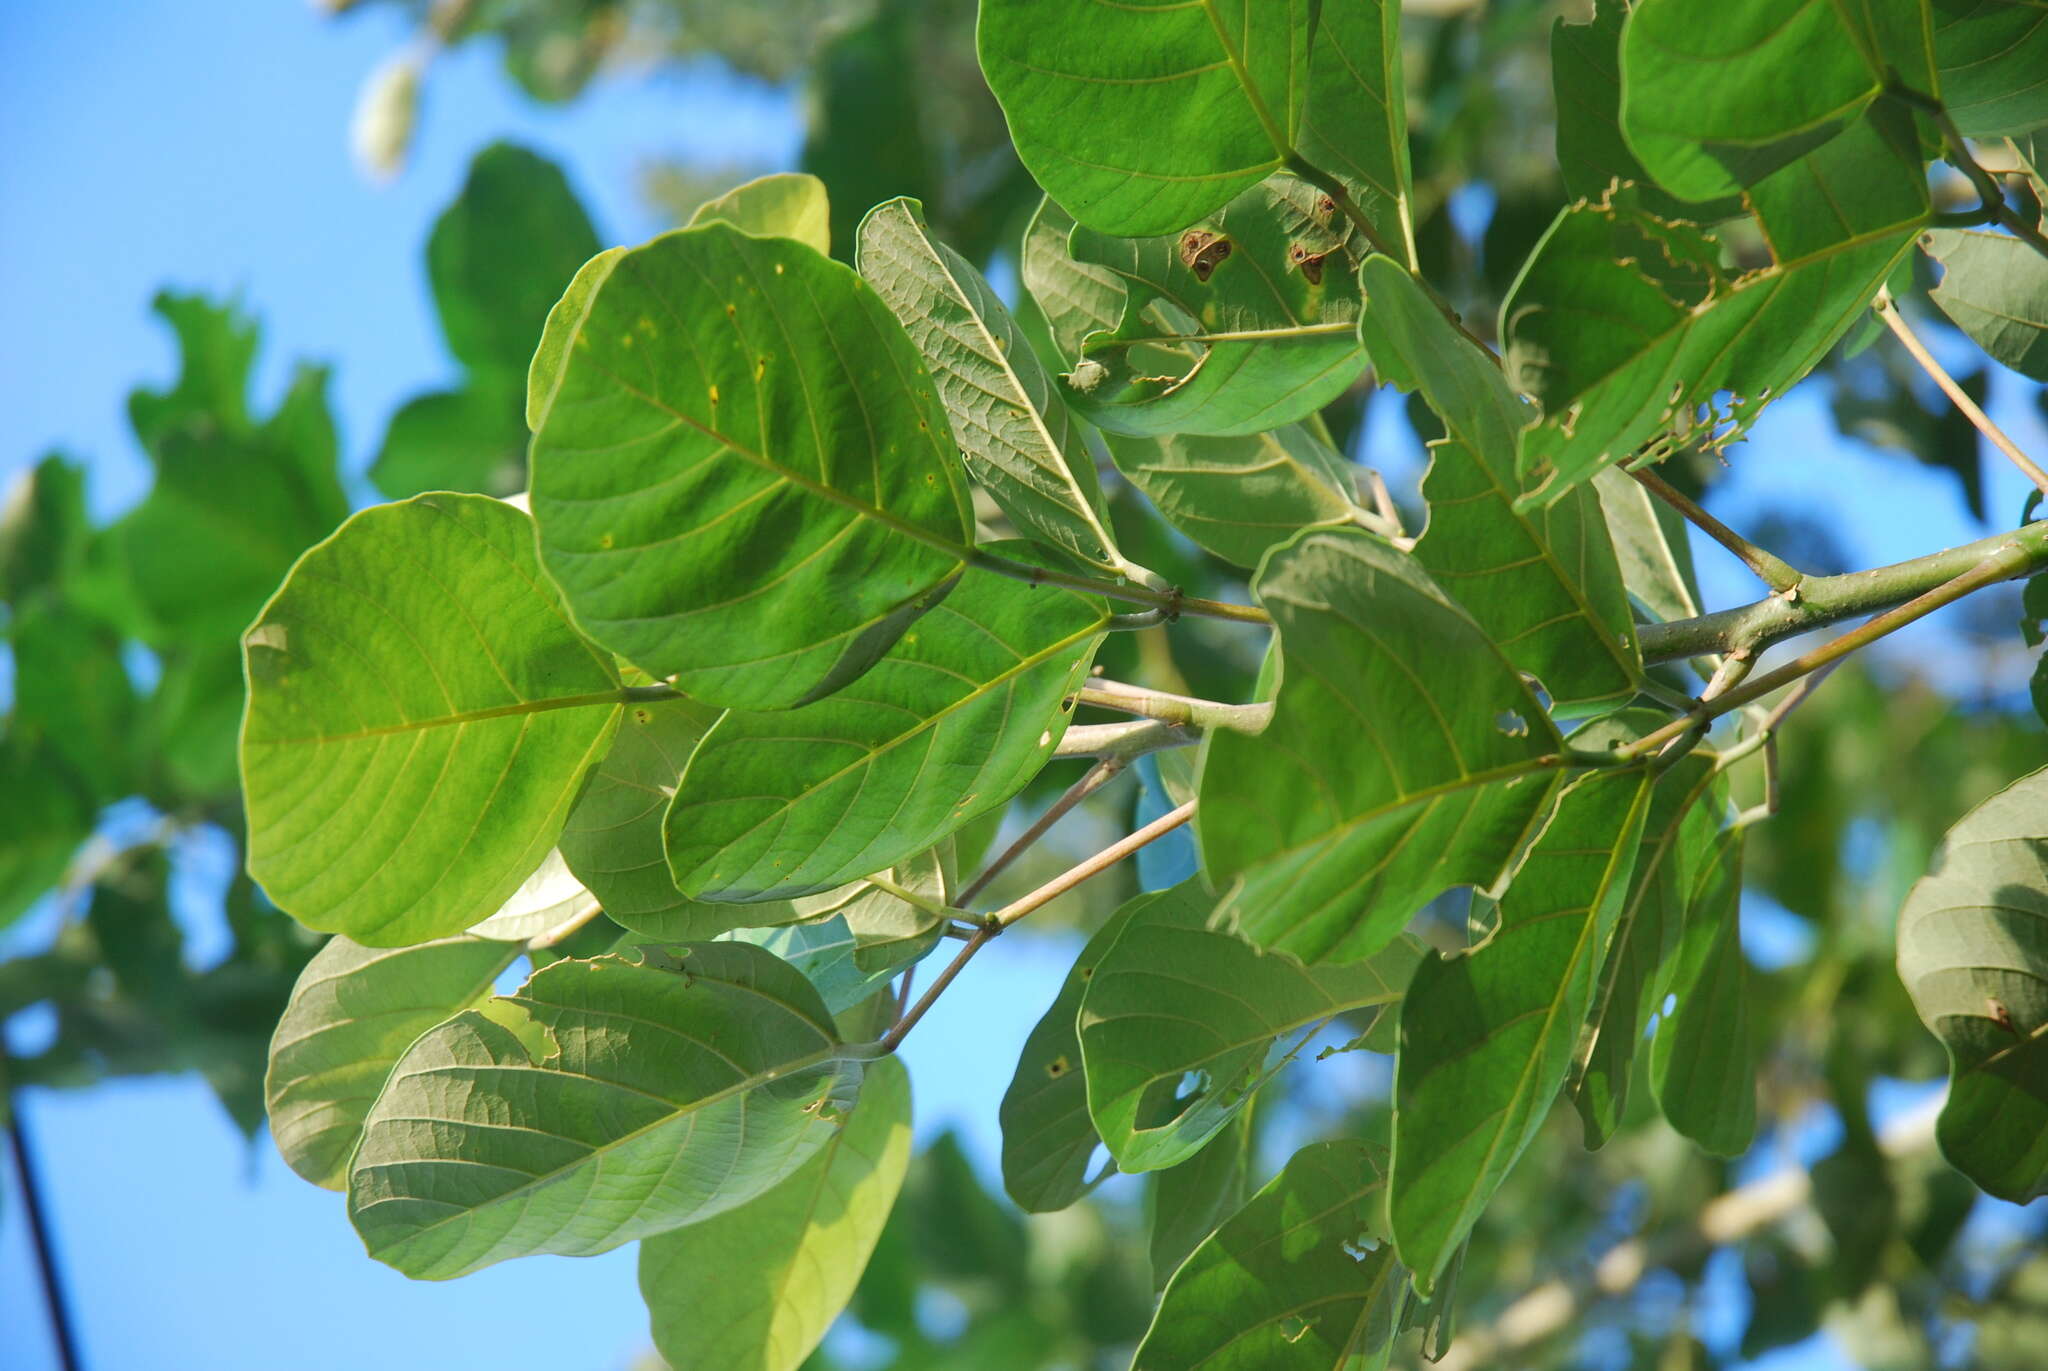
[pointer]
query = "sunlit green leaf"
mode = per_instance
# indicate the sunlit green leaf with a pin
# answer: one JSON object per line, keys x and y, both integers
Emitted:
{"x": 1177, "y": 1019}
{"x": 755, "y": 1288}
{"x": 1971, "y": 951}
{"x": 1356, "y": 122}
{"x": 421, "y": 715}
{"x": 607, "y": 1100}
{"x": 1239, "y": 496}
{"x": 549, "y": 903}
{"x": 1140, "y": 119}
{"x": 46, "y": 817}
{"x": 42, "y": 527}
{"x": 1405, "y": 756}
{"x": 1300, "y": 1279}
{"x": 1543, "y": 584}
{"x": 1188, "y": 1201}
{"x": 1487, "y": 1037}
{"x": 783, "y": 204}
{"x": 962, "y": 711}
{"x": 1995, "y": 287}
{"x": 353, "y": 1011}
{"x": 1240, "y": 324}
{"x": 1014, "y": 432}
{"x": 467, "y": 439}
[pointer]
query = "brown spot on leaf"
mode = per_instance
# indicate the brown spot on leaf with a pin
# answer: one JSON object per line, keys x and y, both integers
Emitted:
{"x": 1201, "y": 250}
{"x": 1311, "y": 263}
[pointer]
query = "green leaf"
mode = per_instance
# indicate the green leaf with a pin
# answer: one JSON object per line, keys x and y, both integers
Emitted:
{"x": 1652, "y": 546}
{"x": 1487, "y": 1037}
{"x": 421, "y": 715}
{"x": 743, "y": 478}
{"x": 549, "y": 902}
{"x": 501, "y": 254}
{"x": 1996, "y": 289}
{"x": 1238, "y": 497}
{"x": 783, "y": 204}
{"x": 1077, "y": 298}
{"x": 1991, "y": 57}
{"x": 71, "y": 689}
{"x": 607, "y": 1100}
{"x": 1140, "y": 119}
{"x": 468, "y": 439}
{"x": 889, "y": 931}
{"x": 1405, "y": 756}
{"x": 1973, "y": 941}
{"x": 755, "y": 1288}
{"x": 46, "y": 817}
{"x": 1636, "y": 960}
{"x": 1187, "y": 1202}
{"x": 1717, "y": 97}
{"x": 823, "y": 950}
{"x": 1544, "y": 584}
{"x": 354, "y": 1010}
{"x": 43, "y": 527}
{"x": 1014, "y": 432}
{"x": 1702, "y": 1062}
{"x": 1300, "y": 1279}
{"x": 954, "y": 720}
{"x": 1622, "y": 325}
{"x": 1585, "y": 65}
{"x": 1048, "y": 1136}
{"x": 1356, "y": 121}
{"x": 1236, "y": 326}
{"x": 1177, "y": 1020}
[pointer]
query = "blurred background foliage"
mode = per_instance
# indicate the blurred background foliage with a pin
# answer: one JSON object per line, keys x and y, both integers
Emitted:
{"x": 120, "y": 795}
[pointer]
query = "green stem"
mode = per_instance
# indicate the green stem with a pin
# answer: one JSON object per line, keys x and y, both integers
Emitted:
{"x": 1172, "y": 602}
{"x": 1768, "y": 567}
{"x": 1101, "y": 774}
{"x": 1887, "y": 309}
{"x": 937, "y": 908}
{"x": 1986, "y": 185}
{"x": 1823, "y": 600}
{"x": 1175, "y": 709}
{"x": 1125, "y": 741}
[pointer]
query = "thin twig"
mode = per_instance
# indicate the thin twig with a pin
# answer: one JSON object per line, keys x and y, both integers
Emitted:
{"x": 1772, "y": 570}
{"x": 1888, "y": 310}
{"x": 62, "y": 1333}
{"x": 1993, "y": 569}
{"x": 1100, "y": 862}
{"x": 901, "y": 1028}
{"x": 923, "y": 903}
{"x": 1092, "y": 780}
{"x": 1959, "y": 155}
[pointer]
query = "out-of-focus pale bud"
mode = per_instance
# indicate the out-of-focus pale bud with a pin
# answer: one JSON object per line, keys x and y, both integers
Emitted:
{"x": 386, "y": 114}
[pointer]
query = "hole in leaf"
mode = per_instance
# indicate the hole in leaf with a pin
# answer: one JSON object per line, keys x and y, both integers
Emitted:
{"x": 1294, "y": 1328}
{"x": 1511, "y": 723}
{"x": 1360, "y": 1247}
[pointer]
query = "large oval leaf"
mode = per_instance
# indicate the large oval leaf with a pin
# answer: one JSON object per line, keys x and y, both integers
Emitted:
{"x": 1702, "y": 1061}
{"x": 353, "y": 1011}
{"x": 1142, "y": 118}
{"x": 1405, "y": 756}
{"x": 1177, "y": 1020}
{"x": 1013, "y": 428}
{"x": 421, "y": 714}
{"x": 960, "y": 714}
{"x": 1973, "y": 952}
{"x": 1241, "y": 496}
{"x": 755, "y": 1288}
{"x": 1300, "y": 1279}
{"x": 743, "y": 478}
{"x": 607, "y": 1100}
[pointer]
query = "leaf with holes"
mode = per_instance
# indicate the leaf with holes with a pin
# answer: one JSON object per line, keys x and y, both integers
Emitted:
{"x": 955, "y": 719}
{"x": 1177, "y": 1021}
{"x": 1405, "y": 756}
{"x": 1487, "y": 1037}
{"x": 1014, "y": 432}
{"x": 1241, "y": 323}
{"x": 1140, "y": 119}
{"x": 1301, "y": 1279}
{"x": 353, "y": 1012}
{"x": 1702, "y": 1062}
{"x": 607, "y": 1100}
{"x": 755, "y": 1288}
{"x": 743, "y": 478}
{"x": 1543, "y": 583}
{"x": 421, "y": 715}
{"x": 1971, "y": 952}
{"x": 1996, "y": 289}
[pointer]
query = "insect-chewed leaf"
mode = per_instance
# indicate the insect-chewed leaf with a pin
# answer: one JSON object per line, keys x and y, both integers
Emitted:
{"x": 1140, "y": 119}
{"x": 954, "y": 720}
{"x": 421, "y": 714}
{"x": 1702, "y": 1061}
{"x": 782, "y": 204}
{"x": 607, "y": 1100}
{"x": 743, "y": 479}
{"x": 1242, "y": 323}
{"x": 1487, "y": 1037}
{"x": 353, "y": 1011}
{"x": 755, "y": 1288}
{"x": 1300, "y": 1279}
{"x": 1544, "y": 583}
{"x": 1405, "y": 756}
{"x": 1973, "y": 952}
{"x": 1013, "y": 428}
{"x": 1178, "y": 1017}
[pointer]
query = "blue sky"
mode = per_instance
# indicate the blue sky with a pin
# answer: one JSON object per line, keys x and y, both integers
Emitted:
{"x": 203, "y": 145}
